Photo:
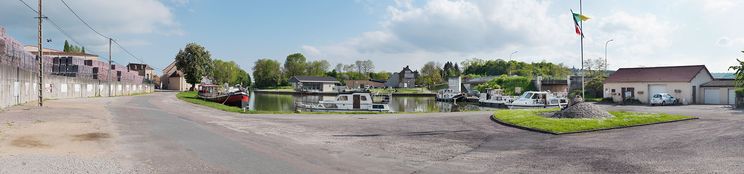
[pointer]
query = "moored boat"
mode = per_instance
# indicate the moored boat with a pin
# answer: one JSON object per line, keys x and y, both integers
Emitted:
{"x": 538, "y": 99}
{"x": 494, "y": 98}
{"x": 357, "y": 101}
{"x": 215, "y": 93}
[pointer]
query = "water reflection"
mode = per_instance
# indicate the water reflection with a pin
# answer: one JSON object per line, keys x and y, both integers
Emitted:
{"x": 286, "y": 103}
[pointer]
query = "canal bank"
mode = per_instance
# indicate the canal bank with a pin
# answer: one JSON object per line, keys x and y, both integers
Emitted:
{"x": 292, "y": 92}
{"x": 286, "y": 103}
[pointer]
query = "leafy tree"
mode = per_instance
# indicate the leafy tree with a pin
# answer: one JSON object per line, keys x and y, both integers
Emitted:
{"x": 739, "y": 76}
{"x": 364, "y": 66}
{"x": 267, "y": 73}
{"x": 66, "y": 47}
{"x": 295, "y": 65}
{"x": 244, "y": 78}
{"x": 195, "y": 62}
{"x": 500, "y": 67}
{"x": 317, "y": 68}
{"x": 451, "y": 70}
{"x": 382, "y": 75}
{"x": 431, "y": 75}
{"x": 594, "y": 69}
{"x": 229, "y": 72}
{"x": 508, "y": 83}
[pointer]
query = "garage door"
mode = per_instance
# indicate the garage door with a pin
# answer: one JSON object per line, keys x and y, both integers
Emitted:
{"x": 655, "y": 89}
{"x": 731, "y": 97}
{"x": 713, "y": 96}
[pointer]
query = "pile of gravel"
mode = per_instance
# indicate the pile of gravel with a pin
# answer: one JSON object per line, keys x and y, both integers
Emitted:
{"x": 582, "y": 110}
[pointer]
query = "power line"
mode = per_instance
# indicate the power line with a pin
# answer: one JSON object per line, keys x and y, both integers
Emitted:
{"x": 99, "y": 33}
{"x": 57, "y": 26}
{"x": 81, "y": 20}
{"x": 130, "y": 54}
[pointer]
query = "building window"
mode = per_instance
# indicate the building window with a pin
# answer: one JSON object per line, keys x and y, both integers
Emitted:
{"x": 613, "y": 90}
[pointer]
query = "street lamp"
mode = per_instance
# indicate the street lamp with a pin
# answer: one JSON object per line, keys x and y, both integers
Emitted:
{"x": 605, "y": 63}
{"x": 510, "y": 55}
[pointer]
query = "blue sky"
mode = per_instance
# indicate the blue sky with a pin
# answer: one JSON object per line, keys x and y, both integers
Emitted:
{"x": 395, "y": 33}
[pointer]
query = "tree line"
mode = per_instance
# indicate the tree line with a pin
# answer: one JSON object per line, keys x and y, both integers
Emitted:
{"x": 269, "y": 73}
{"x": 196, "y": 62}
{"x": 70, "y": 48}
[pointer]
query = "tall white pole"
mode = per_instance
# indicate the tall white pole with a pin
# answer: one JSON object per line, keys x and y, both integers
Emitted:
{"x": 581, "y": 25}
{"x": 605, "y": 62}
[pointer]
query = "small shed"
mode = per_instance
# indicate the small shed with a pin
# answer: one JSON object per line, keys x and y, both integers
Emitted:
{"x": 719, "y": 92}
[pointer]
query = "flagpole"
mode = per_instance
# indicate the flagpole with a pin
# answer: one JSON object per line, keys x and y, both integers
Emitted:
{"x": 581, "y": 25}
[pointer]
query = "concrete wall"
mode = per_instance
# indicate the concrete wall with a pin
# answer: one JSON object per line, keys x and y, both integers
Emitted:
{"x": 18, "y": 86}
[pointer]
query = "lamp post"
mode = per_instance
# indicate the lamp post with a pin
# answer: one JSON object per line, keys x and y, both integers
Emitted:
{"x": 605, "y": 63}
{"x": 510, "y": 55}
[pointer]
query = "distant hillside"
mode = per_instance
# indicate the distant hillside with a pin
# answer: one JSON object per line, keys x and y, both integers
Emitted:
{"x": 723, "y": 75}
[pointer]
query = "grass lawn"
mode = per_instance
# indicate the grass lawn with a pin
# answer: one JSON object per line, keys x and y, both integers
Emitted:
{"x": 532, "y": 118}
{"x": 192, "y": 97}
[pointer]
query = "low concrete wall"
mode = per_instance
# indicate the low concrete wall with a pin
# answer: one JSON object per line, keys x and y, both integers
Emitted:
{"x": 18, "y": 86}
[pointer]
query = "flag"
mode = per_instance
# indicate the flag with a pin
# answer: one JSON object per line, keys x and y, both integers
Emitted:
{"x": 577, "y": 18}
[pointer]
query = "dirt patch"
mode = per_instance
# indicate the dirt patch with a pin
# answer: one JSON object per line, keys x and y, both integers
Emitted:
{"x": 95, "y": 136}
{"x": 28, "y": 142}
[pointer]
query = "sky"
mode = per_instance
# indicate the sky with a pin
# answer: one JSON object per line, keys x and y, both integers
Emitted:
{"x": 396, "y": 33}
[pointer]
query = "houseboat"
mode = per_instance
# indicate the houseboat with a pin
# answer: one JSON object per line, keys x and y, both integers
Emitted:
{"x": 538, "y": 99}
{"x": 357, "y": 101}
{"x": 495, "y": 98}
{"x": 449, "y": 95}
{"x": 230, "y": 96}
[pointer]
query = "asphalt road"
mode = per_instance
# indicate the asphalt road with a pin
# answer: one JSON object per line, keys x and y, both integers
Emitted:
{"x": 172, "y": 144}
{"x": 167, "y": 135}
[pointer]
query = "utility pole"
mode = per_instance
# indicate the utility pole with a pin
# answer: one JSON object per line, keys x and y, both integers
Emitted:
{"x": 41, "y": 61}
{"x": 110, "y": 66}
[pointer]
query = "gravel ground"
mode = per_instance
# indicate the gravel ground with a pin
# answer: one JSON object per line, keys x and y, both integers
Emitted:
{"x": 32, "y": 164}
{"x": 582, "y": 110}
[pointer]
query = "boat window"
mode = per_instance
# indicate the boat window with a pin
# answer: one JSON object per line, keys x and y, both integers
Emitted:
{"x": 343, "y": 98}
{"x": 526, "y": 95}
{"x": 364, "y": 98}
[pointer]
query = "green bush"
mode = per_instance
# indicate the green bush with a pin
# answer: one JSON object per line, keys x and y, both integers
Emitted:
{"x": 508, "y": 83}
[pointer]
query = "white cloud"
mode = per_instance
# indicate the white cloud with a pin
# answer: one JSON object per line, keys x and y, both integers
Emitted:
{"x": 310, "y": 51}
{"x": 455, "y": 30}
{"x": 636, "y": 34}
{"x": 719, "y": 6}
{"x": 117, "y": 19}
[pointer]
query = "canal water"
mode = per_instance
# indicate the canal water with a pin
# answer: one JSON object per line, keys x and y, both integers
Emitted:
{"x": 286, "y": 103}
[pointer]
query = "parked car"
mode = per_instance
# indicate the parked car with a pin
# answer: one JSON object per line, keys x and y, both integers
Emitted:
{"x": 663, "y": 99}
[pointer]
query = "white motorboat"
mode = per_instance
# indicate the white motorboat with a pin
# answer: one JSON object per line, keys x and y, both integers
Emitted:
{"x": 449, "y": 95}
{"x": 538, "y": 99}
{"x": 357, "y": 101}
{"x": 494, "y": 98}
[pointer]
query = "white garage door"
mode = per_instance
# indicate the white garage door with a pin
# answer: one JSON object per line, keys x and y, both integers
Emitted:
{"x": 655, "y": 89}
{"x": 731, "y": 97}
{"x": 713, "y": 96}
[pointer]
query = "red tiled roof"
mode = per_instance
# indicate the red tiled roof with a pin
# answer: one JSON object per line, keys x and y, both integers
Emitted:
{"x": 657, "y": 74}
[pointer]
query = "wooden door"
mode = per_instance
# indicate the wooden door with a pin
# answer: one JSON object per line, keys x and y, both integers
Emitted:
{"x": 356, "y": 102}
